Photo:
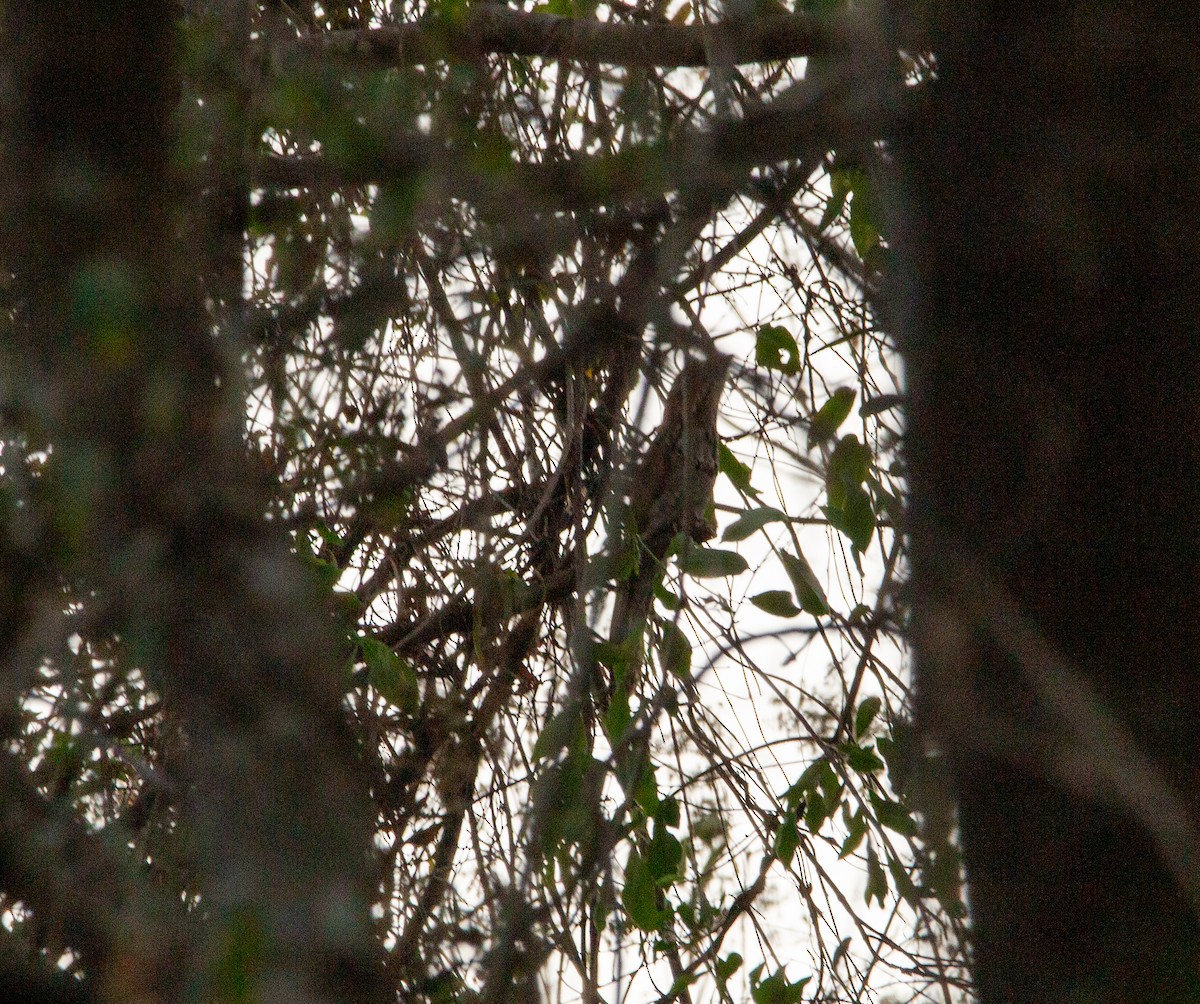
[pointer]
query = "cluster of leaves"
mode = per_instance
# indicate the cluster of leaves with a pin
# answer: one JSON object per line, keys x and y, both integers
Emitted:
{"x": 452, "y": 378}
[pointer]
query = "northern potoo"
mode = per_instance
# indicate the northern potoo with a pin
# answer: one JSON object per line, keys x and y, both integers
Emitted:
{"x": 671, "y": 487}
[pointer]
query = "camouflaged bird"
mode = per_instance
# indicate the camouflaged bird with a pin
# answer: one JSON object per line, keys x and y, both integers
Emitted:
{"x": 671, "y": 488}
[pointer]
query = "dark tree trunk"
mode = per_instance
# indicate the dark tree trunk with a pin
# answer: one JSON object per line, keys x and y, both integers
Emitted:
{"x": 155, "y": 512}
{"x": 1049, "y": 313}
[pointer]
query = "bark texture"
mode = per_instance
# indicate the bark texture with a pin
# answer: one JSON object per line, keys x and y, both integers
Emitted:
{"x": 153, "y": 509}
{"x": 1048, "y": 308}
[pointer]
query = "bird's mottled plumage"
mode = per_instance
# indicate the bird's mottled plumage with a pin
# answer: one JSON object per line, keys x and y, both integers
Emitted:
{"x": 672, "y": 487}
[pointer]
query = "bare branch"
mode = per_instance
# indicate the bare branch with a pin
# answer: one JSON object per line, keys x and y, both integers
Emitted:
{"x": 490, "y": 28}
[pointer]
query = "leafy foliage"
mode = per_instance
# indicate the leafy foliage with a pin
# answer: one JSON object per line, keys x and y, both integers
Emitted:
{"x": 459, "y": 288}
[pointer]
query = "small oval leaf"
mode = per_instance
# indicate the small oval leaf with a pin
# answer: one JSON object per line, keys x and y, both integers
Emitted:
{"x": 675, "y": 651}
{"x": 865, "y": 715}
{"x": 776, "y": 349}
{"x": 751, "y": 522}
{"x": 737, "y": 472}
{"x": 831, "y": 415}
{"x": 809, "y": 593}
{"x": 712, "y": 563}
{"x": 639, "y": 897}
{"x": 777, "y": 602}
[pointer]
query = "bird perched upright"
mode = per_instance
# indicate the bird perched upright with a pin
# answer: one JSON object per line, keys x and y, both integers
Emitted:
{"x": 672, "y": 485}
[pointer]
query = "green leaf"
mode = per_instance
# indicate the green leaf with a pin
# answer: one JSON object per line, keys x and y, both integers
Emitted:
{"x": 886, "y": 504}
{"x": 776, "y": 989}
{"x": 667, "y": 598}
{"x": 558, "y": 733}
{"x": 867, "y": 710}
{"x": 902, "y": 751}
{"x": 777, "y": 602}
{"x": 663, "y": 856}
{"x": 711, "y": 563}
{"x": 877, "y": 883}
{"x": 815, "y": 812}
{"x": 893, "y": 815}
{"x": 668, "y": 811}
{"x": 640, "y": 895}
{"x": 865, "y": 215}
{"x": 839, "y": 184}
{"x": 794, "y": 797}
{"x": 776, "y": 349}
{"x": 615, "y": 657}
{"x": 862, "y": 758}
{"x": 831, "y": 787}
{"x": 708, "y": 828}
{"x": 737, "y": 472}
{"x": 904, "y": 883}
{"x": 856, "y": 519}
{"x": 727, "y": 966}
{"x": 682, "y": 982}
{"x": 636, "y": 776}
{"x": 787, "y": 838}
{"x": 617, "y": 717}
{"x": 675, "y": 651}
{"x": 856, "y": 829}
{"x": 751, "y": 522}
{"x": 823, "y": 794}
{"x": 392, "y": 677}
{"x": 326, "y": 572}
{"x": 830, "y": 416}
{"x": 849, "y": 466}
{"x": 814, "y": 773}
{"x": 809, "y": 593}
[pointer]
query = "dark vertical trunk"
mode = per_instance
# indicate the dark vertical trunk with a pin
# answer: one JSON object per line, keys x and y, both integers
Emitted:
{"x": 1050, "y": 309}
{"x": 153, "y": 507}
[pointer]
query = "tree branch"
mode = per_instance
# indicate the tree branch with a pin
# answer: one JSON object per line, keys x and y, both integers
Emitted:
{"x": 806, "y": 118}
{"x": 77, "y": 884}
{"x": 494, "y": 29}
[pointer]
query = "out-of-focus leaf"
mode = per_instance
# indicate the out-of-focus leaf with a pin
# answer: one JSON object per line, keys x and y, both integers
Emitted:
{"x": 663, "y": 856}
{"x": 903, "y": 881}
{"x": 877, "y": 883}
{"x": 809, "y": 593}
{"x": 855, "y": 518}
{"x": 640, "y": 895}
{"x": 777, "y": 602}
{"x": 862, "y": 758}
{"x": 727, "y": 966}
{"x": 675, "y": 651}
{"x": 787, "y": 838}
{"x": 830, "y": 416}
{"x": 617, "y": 717}
{"x": 856, "y": 829}
{"x": 558, "y": 733}
{"x": 839, "y": 184}
{"x": 775, "y": 989}
{"x": 848, "y": 467}
{"x": 392, "y": 677}
{"x": 667, "y": 812}
{"x": 751, "y": 522}
{"x": 893, "y": 815}
{"x": 711, "y": 563}
{"x": 776, "y": 349}
{"x": 737, "y": 472}
{"x": 867, "y": 710}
